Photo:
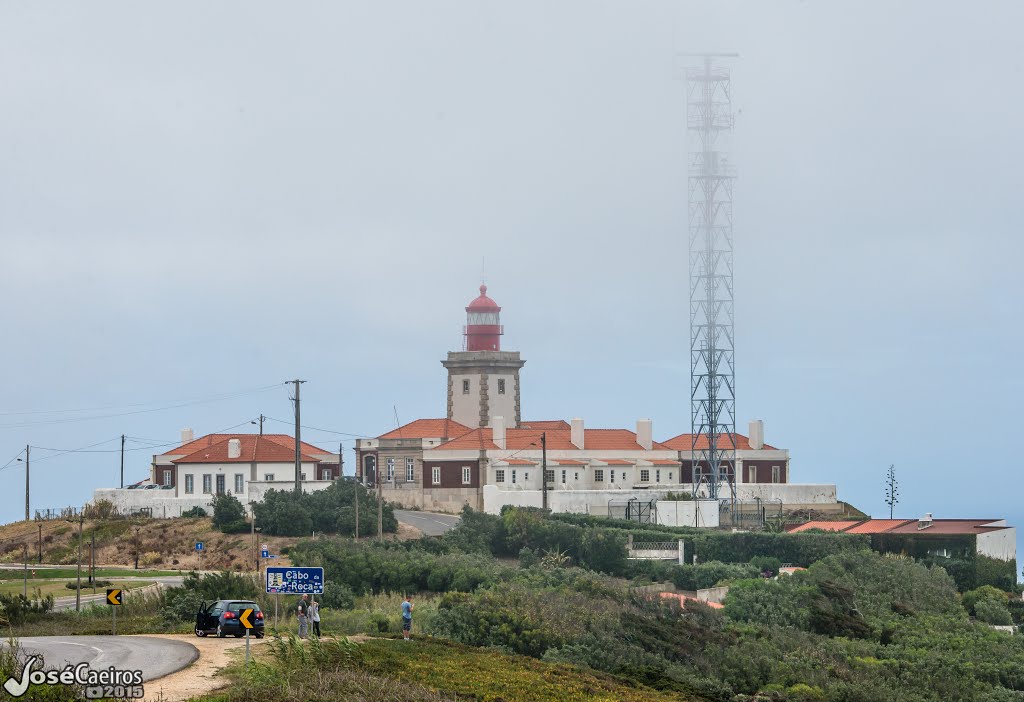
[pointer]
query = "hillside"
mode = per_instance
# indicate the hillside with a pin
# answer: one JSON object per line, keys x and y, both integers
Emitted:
{"x": 162, "y": 543}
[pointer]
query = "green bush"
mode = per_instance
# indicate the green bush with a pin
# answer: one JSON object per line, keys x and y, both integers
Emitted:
{"x": 194, "y": 512}
{"x": 228, "y": 514}
{"x": 331, "y": 510}
{"x": 183, "y": 602}
{"x": 993, "y": 612}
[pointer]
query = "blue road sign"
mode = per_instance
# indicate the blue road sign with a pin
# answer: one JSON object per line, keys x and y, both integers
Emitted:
{"x": 295, "y": 581}
{"x": 264, "y": 553}
{"x": 199, "y": 545}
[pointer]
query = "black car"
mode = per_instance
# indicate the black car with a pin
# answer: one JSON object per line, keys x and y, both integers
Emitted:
{"x": 221, "y": 618}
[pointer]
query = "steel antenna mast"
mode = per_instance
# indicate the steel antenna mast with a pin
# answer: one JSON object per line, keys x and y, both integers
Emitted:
{"x": 712, "y": 346}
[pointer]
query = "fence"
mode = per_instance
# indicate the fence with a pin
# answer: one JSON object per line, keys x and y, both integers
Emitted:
{"x": 656, "y": 550}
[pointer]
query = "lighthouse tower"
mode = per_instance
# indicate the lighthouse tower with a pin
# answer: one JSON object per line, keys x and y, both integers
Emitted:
{"x": 483, "y": 380}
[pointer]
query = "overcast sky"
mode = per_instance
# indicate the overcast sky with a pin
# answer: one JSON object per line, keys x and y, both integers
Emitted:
{"x": 198, "y": 199}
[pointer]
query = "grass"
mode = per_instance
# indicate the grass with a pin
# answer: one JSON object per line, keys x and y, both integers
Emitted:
{"x": 58, "y": 588}
{"x": 138, "y": 615}
{"x": 424, "y": 670}
{"x": 72, "y": 573}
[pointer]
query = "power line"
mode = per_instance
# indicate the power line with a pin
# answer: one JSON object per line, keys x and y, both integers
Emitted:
{"x": 326, "y": 431}
{"x": 187, "y": 403}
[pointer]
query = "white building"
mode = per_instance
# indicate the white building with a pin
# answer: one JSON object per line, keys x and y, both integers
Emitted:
{"x": 243, "y": 465}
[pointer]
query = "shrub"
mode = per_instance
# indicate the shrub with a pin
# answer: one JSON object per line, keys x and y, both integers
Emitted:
{"x": 194, "y": 512}
{"x": 993, "y": 612}
{"x": 152, "y": 558}
{"x": 228, "y": 514}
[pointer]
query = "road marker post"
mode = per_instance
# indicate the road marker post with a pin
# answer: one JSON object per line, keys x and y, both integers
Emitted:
{"x": 115, "y": 598}
{"x": 244, "y": 619}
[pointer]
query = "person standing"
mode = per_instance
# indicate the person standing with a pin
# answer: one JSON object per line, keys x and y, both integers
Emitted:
{"x": 407, "y": 617}
{"x": 302, "y": 611}
{"x": 314, "y": 616}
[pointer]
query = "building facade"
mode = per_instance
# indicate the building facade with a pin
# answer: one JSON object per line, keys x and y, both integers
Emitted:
{"x": 244, "y": 465}
{"x": 482, "y": 454}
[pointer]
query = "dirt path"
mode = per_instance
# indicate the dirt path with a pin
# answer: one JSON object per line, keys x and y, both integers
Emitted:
{"x": 201, "y": 677}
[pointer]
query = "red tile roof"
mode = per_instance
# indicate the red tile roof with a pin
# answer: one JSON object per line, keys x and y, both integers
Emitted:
{"x": 617, "y": 461}
{"x": 663, "y": 462}
{"x": 684, "y": 442}
{"x": 519, "y": 462}
{"x": 568, "y": 462}
{"x": 267, "y": 448}
{"x": 427, "y": 429}
{"x": 948, "y": 526}
{"x": 546, "y": 425}
{"x": 876, "y": 526}
{"x": 824, "y": 526}
{"x": 519, "y": 439}
{"x": 212, "y": 439}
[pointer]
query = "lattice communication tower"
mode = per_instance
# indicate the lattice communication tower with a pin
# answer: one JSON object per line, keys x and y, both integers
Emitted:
{"x": 712, "y": 344}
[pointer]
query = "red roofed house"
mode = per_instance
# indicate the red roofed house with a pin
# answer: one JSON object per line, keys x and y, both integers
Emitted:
{"x": 243, "y": 465}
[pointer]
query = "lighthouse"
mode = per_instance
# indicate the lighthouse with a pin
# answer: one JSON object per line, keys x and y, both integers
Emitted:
{"x": 483, "y": 380}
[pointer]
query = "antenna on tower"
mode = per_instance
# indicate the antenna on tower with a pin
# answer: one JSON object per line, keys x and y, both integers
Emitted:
{"x": 712, "y": 324}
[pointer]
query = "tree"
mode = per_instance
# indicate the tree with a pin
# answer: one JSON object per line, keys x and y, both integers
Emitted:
{"x": 228, "y": 514}
{"x": 892, "y": 490}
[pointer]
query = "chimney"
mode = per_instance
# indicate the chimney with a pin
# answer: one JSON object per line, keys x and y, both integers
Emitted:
{"x": 645, "y": 433}
{"x": 757, "y": 434}
{"x": 925, "y": 521}
{"x": 576, "y": 432}
{"x": 234, "y": 448}
{"x": 187, "y": 435}
{"x": 498, "y": 431}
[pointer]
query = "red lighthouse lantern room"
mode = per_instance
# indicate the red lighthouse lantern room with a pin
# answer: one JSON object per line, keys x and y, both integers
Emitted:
{"x": 483, "y": 324}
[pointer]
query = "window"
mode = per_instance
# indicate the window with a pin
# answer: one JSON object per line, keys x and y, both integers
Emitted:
{"x": 575, "y": 476}
{"x": 563, "y": 475}
{"x": 221, "y": 487}
{"x": 499, "y": 476}
{"x": 751, "y": 474}
{"x": 391, "y": 470}
{"x": 167, "y": 478}
{"x": 657, "y": 476}
{"x": 410, "y": 470}
{"x": 239, "y": 483}
{"x": 435, "y": 475}
{"x": 645, "y": 475}
{"x": 302, "y": 476}
{"x": 513, "y": 476}
{"x": 207, "y": 483}
{"x": 268, "y": 477}
{"x": 465, "y": 387}
{"x": 611, "y": 476}
{"x": 776, "y": 474}
{"x": 467, "y": 475}
{"x": 328, "y": 474}
{"x": 549, "y": 476}
{"x": 526, "y": 476}
{"x": 501, "y": 386}
{"x": 623, "y": 476}
{"x": 189, "y": 484}
{"x": 598, "y": 475}
{"x": 670, "y": 476}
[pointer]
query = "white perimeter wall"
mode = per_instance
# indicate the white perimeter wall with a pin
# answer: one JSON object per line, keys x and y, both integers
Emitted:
{"x": 1000, "y": 544}
{"x": 789, "y": 493}
{"x": 693, "y": 513}
{"x": 165, "y": 504}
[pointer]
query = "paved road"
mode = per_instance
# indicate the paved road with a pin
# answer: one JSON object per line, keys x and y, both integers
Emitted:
{"x": 154, "y": 657}
{"x": 68, "y": 601}
{"x": 430, "y": 523}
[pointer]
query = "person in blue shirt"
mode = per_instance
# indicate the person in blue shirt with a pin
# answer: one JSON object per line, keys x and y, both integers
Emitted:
{"x": 407, "y": 617}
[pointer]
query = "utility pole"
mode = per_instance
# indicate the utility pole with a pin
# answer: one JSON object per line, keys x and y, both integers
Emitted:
{"x": 26, "y": 569}
{"x": 298, "y": 451}
{"x": 358, "y": 483}
{"x": 261, "y": 424}
{"x": 40, "y": 525}
{"x": 78, "y": 590}
{"x": 92, "y": 562}
{"x": 136, "y": 548}
{"x": 26, "y": 480}
{"x": 122, "y": 460}
{"x": 380, "y": 503}
{"x": 544, "y": 470}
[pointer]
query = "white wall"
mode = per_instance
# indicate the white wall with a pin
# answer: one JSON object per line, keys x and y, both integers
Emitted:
{"x": 466, "y": 407}
{"x": 283, "y": 472}
{"x": 694, "y": 513}
{"x": 1000, "y": 544}
{"x": 789, "y": 493}
{"x": 162, "y": 502}
{"x": 578, "y": 501}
